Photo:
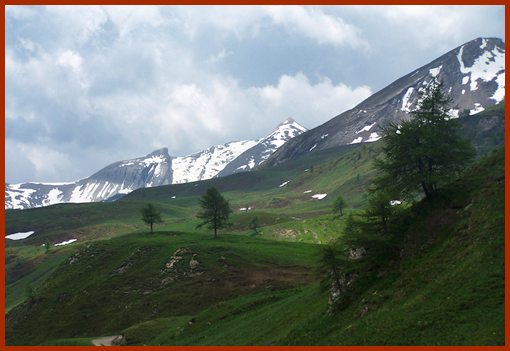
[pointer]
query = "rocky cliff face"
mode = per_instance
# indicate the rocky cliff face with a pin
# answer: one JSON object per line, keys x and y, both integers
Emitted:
{"x": 473, "y": 75}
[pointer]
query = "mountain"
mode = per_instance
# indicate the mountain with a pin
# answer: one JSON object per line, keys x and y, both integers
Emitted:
{"x": 118, "y": 178}
{"x": 264, "y": 148}
{"x": 472, "y": 74}
{"x": 155, "y": 169}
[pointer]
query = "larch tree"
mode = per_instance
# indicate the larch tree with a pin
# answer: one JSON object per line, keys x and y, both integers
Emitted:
{"x": 150, "y": 215}
{"x": 215, "y": 210}
{"x": 424, "y": 152}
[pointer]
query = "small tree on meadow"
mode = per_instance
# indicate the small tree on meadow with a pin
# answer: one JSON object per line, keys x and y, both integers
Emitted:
{"x": 215, "y": 211}
{"x": 150, "y": 215}
{"x": 338, "y": 206}
{"x": 255, "y": 225}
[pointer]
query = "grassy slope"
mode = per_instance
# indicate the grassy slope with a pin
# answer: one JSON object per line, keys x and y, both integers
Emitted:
{"x": 28, "y": 267}
{"x": 344, "y": 171}
{"x": 285, "y": 213}
{"x": 116, "y": 283}
{"x": 448, "y": 289}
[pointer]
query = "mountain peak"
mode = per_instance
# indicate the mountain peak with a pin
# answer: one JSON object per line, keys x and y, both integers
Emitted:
{"x": 291, "y": 122}
{"x": 159, "y": 152}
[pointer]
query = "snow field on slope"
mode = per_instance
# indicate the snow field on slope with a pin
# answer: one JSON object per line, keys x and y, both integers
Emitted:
{"x": 19, "y": 235}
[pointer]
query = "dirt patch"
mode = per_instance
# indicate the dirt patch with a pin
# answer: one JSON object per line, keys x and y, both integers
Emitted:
{"x": 105, "y": 341}
{"x": 276, "y": 277}
{"x": 278, "y": 203}
{"x": 286, "y": 233}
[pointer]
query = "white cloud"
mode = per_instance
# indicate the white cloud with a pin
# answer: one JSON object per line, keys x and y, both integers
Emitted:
{"x": 247, "y": 21}
{"x": 39, "y": 161}
{"x": 129, "y": 18}
{"x": 70, "y": 59}
{"x": 217, "y": 109}
{"x": 430, "y": 26}
{"x": 308, "y": 102}
{"x": 313, "y": 23}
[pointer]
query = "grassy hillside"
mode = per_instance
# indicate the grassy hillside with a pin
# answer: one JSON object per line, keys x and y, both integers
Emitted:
{"x": 446, "y": 288}
{"x": 112, "y": 284}
{"x": 345, "y": 171}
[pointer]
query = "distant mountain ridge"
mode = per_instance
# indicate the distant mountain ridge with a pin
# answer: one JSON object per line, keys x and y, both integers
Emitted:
{"x": 155, "y": 169}
{"x": 473, "y": 75}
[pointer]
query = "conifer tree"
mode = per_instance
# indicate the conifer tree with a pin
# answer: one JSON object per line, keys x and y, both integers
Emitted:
{"x": 150, "y": 215}
{"x": 424, "y": 152}
{"x": 215, "y": 210}
{"x": 339, "y": 205}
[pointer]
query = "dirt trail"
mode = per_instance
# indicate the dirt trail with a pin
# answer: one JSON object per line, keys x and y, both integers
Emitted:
{"x": 104, "y": 341}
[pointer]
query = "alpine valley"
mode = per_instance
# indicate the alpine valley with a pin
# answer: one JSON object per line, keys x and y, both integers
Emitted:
{"x": 306, "y": 258}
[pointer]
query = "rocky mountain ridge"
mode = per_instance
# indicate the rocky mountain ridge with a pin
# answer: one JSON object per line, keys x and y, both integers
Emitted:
{"x": 473, "y": 75}
{"x": 155, "y": 169}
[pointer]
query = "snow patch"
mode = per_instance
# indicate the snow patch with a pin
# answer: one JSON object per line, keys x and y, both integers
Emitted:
{"x": 19, "y": 197}
{"x": 366, "y": 128}
{"x": 208, "y": 163}
{"x": 406, "y": 105}
{"x": 435, "y": 71}
{"x": 284, "y": 183}
{"x": 484, "y": 44}
{"x": 357, "y": 140}
{"x": 54, "y": 197}
{"x": 453, "y": 113}
{"x": 307, "y": 191}
{"x": 373, "y": 137}
{"x": 66, "y": 242}
{"x": 319, "y": 196}
{"x": 478, "y": 108}
{"x": 19, "y": 235}
{"x": 499, "y": 94}
{"x": 486, "y": 67}
{"x": 124, "y": 190}
{"x": 313, "y": 147}
{"x": 324, "y": 136}
{"x": 465, "y": 80}
{"x": 395, "y": 202}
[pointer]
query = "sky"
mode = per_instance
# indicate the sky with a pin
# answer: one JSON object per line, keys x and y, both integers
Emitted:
{"x": 90, "y": 85}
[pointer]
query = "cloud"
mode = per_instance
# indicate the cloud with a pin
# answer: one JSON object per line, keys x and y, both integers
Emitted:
{"x": 306, "y": 102}
{"x": 218, "y": 57}
{"x": 249, "y": 21}
{"x": 121, "y": 81}
{"x": 70, "y": 59}
{"x": 313, "y": 23}
{"x": 437, "y": 27}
